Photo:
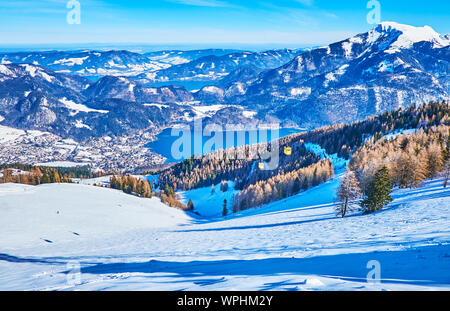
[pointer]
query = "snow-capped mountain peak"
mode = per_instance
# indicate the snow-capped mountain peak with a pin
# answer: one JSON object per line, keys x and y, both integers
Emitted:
{"x": 404, "y": 36}
{"x": 388, "y": 67}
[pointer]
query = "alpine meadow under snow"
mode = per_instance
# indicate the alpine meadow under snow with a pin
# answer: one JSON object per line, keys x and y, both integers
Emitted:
{"x": 128, "y": 243}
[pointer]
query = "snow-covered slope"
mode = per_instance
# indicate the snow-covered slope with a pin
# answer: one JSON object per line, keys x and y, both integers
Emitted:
{"x": 68, "y": 213}
{"x": 295, "y": 244}
{"x": 210, "y": 204}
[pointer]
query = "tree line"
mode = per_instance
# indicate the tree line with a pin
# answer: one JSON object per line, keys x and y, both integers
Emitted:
{"x": 343, "y": 139}
{"x": 34, "y": 176}
{"x": 283, "y": 185}
{"x": 231, "y": 165}
{"x": 132, "y": 185}
{"x": 403, "y": 161}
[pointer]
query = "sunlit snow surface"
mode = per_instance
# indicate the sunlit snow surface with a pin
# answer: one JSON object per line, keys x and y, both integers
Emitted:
{"x": 127, "y": 243}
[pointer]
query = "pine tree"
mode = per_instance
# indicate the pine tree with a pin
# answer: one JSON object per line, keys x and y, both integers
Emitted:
{"x": 45, "y": 179}
{"x": 378, "y": 193}
{"x": 225, "y": 209}
{"x": 190, "y": 205}
{"x": 169, "y": 191}
{"x": 348, "y": 192}
{"x": 224, "y": 186}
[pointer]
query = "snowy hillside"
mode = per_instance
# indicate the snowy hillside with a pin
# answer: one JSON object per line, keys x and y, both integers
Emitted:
{"x": 66, "y": 213}
{"x": 207, "y": 203}
{"x": 126, "y": 243}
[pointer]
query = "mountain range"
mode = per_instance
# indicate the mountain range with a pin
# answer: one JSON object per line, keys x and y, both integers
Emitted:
{"x": 87, "y": 63}
{"x": 214, "y": 67}
{"x": 389, "y": 67}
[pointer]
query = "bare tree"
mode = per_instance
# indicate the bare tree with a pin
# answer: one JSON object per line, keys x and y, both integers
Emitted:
{"x": 446, "y": 172}
{"x": 434, "y": 158}
{"x": 347, "y": 193}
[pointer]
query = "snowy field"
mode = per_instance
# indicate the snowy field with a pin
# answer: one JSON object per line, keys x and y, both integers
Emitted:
{"x": 123, "y": 242}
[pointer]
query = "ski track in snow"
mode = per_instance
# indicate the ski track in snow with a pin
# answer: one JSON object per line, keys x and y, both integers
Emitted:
{"x": 127, "y": 243}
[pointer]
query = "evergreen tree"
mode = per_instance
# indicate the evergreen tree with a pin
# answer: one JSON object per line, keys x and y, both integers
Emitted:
{"x": 224, "y": 186}
{"x": 225, "y": 209}
{"x": 234, "y": 204}
{"x": 190, "y": 205}
{"x": 169, "y": 191}
{"x": 45, "y": 178}
{"x": 378, "y": 193}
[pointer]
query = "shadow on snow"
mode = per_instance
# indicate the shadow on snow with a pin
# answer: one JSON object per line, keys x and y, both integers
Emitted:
{"x": 428, "y": 265}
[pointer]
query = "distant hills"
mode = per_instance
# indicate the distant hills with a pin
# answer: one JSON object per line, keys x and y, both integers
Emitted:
{"x": 81, "y": 94}
{"x": 389, "y": 67}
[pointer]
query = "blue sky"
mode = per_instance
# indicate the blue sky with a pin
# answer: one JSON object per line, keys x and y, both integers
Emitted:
{"x": 207, "y": 22}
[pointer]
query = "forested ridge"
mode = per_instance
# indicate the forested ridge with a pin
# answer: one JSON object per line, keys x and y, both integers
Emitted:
{"x": 376, "y": 162}
{"x": 402, "y": 161}
{"x": 229, "y": 165}
{"x": 283, "y": 185}
{"x": 343, "y": 139}
{"x": 36, "y": 175}
{"x": 410, "y": 159}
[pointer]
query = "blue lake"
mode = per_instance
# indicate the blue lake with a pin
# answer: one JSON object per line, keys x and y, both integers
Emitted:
{"x": 164, "y": 142}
